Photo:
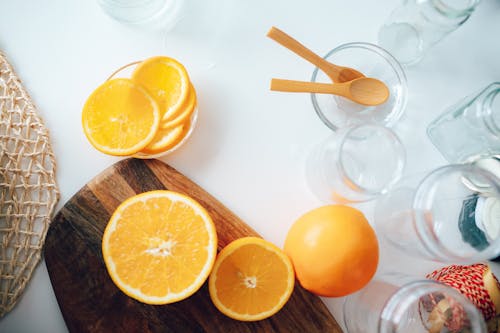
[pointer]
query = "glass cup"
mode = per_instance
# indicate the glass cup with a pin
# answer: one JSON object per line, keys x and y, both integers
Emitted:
{"x": 150, "y": 14}
{"x": 416, "y": 25}
{"x": 470, "y": 129}
{"x": 410, "y": 307}
{"x": 337, "y": 112}
{"x": 126, "y": 72}
{"x": 352, "y": 166}
{"x": 453, "y": 215}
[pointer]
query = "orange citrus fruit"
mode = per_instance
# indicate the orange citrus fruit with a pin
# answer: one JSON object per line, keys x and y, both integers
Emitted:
{"x": 334, "y": 250}
{"x": 120, "y": 117}
{"x": 146, "y": 153}
{"x": 159, "y": 246}
{"x": 164, "y": 140}
{"x": 252, "y": 279}
{"x": 166, "y": 80}
{"x": 184, "y": 114}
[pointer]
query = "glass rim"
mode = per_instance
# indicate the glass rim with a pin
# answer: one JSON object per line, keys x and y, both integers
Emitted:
{"x": 389, "y": 58}
{"x": 452, "y": 12}
{"x": 107, "y": 5}
{"x": 399, "y": 150}
{"x": 488, "y": 111}
{"x": 425, "y": 231}
{"x": 411, "y": 292}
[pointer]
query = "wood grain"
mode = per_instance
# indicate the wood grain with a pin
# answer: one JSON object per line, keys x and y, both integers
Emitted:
{"x": 89, "y": 300}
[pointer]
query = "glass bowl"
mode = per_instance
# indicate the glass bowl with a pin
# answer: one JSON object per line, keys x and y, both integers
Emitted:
{"x": 373, "y": 61}
{"x": 126, "y": 72}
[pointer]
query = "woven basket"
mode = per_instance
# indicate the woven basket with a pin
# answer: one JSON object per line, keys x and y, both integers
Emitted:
{"x": 28, "y": 189}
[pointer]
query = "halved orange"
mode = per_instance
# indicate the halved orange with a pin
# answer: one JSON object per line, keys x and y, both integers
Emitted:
{"x": 252, "y": 279}
{"x": 184, "y": 113}
{"x": 166, "y": 80}
{"x": 120, "y": 117}
{"x": 159, "y": 246}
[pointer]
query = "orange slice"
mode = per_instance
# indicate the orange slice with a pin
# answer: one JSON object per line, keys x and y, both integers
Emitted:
{"x": 164, "y": 140}
{"x": 184, "y": 115}
{"x": 159, "y": 247}
{"x": 120, "y": 117}
{"x": 186, "y": 128}
{"x": 166, "y": 80}
{"x": 252, "y": 279}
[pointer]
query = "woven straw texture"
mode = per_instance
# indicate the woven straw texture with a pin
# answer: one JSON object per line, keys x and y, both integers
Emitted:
{"x": 28, "y": 189}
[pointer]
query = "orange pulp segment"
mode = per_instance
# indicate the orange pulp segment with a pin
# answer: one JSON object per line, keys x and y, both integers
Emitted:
{"x": 120, "y": 117}
{"x": 252, "y": 279}
{"x": 159, "y": 246}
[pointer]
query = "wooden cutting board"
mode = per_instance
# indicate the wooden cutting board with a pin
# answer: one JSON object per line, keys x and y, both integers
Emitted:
{"x": 89, "y": 300}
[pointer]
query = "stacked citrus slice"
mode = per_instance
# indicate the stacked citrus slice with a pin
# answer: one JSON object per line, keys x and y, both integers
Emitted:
{"x": 148, "y": 114}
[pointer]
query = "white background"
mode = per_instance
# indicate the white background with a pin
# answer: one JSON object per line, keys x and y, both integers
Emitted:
{"x": 249, "y": 145}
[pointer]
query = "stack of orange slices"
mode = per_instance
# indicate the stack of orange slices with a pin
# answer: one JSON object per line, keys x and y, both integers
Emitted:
{"x": 145, "y": 115}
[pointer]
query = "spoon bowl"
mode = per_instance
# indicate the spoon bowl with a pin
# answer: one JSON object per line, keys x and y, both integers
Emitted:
{"x": 368, "y": 91}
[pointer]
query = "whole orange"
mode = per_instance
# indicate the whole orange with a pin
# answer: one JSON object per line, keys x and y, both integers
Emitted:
{"x": 334, "y": 250}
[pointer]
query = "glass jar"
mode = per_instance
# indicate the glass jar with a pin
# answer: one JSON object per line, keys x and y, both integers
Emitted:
{"x": 350, "y": 166}
{"x": 416, "y": 25}
{"x": 373, "y": 61}
{"x": 149, "y": 14}
{"x": 419, "y": 306}
{"x": 452, "y": 215}
{"x": 470, "y": 129}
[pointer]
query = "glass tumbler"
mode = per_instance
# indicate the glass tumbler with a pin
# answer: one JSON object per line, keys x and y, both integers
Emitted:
{"x": 421, "y": 306}
{"x": 416, "y": 25}
{"x": 355, "y": 164}
{"x": 150, "y": 14}
{"x": 470, "y": 129}
{"x": 373, "y": 61}
{"x": 453, "y": 215}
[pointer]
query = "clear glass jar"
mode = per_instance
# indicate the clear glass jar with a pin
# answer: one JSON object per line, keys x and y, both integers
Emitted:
{"x": 351, "y": 166}
{"x": 373, "y": 61}
{"x": 404, "y": 307}
{"x": 150, "y": 14}
{"x": 470, "y": 129}
{"x": 452, "y": 215}
{"x": 416, "y": 25}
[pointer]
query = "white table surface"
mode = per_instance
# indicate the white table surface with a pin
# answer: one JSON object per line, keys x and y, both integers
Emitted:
{"x": 248, "y": 148}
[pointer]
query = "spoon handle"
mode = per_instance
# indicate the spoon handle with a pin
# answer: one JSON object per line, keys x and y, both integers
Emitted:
{"x": 309, "y": 87}
{"x": 295, "y": 46}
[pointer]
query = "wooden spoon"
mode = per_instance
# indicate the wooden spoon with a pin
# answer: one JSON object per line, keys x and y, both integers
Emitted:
{"x": 336, "y": 73}
{"x": 364, "y": 90}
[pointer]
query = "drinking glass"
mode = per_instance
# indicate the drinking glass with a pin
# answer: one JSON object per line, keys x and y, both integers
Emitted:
{"x": 355, "y": 164}
{"x": 373, "y": 61}
{"x": 452, "y": 215}
{"x": 470, "y": 129}
{"x": 410, "y": 307}
{"x": 416, "y": 25}
{"x": 150, "y": 14}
